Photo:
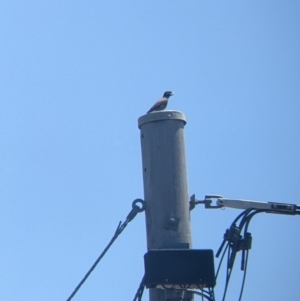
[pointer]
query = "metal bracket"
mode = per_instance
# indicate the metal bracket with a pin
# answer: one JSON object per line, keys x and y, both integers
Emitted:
{"x": 269, "y": 207}
{"x": 207, "y": 201}
{"x": 172, "y": 223}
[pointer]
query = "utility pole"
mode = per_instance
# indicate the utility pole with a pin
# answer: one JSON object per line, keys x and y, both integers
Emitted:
{"x": 165, "y": 188}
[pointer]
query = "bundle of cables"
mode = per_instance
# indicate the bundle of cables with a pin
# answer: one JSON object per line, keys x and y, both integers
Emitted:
{"x": 234, "y": 242}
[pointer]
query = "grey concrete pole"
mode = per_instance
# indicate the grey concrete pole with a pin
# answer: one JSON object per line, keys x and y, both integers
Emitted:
{"x": 165, "y": 187}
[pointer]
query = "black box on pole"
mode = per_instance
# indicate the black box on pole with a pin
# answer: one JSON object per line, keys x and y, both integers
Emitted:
{"x": 179, "y": 268}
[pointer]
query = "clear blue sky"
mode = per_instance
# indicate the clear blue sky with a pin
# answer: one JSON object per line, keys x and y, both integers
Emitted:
{"x": 74, "y": 78}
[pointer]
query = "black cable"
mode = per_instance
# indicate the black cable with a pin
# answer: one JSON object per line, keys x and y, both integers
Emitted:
{"x": 250, "y": 217}
{"x": 228, "y": 274}
{"x": 221, "y": 260}
{"x": 238, "y": 243}
{"x": 245, "y": 212}
{"x": 232, "y": 235}
{"x": 209, "y": 298}
{"x": 247, "y": 236}
{"x": 246, "y": 220}
{"x": 212, "y": 293}
{"x": 139, "y": 293}
{"x": 181, "y": 297}
{"x": 227, "y": 280}
{"x": 207, "y": 295}
{"x": 121, "y": 226}
{"x": 244, "y": 277}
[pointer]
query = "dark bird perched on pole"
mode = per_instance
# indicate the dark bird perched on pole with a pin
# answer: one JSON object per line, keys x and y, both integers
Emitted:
{"x": 161, "y": 104}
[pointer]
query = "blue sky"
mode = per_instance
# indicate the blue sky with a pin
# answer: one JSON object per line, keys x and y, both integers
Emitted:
{"x": 74, "y": 79}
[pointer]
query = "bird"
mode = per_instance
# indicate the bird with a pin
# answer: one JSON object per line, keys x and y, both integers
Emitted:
{"x": 161, "y": 104}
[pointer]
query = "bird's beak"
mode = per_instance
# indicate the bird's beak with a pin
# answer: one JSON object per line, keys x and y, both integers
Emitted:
{"x": 172, "y": 93}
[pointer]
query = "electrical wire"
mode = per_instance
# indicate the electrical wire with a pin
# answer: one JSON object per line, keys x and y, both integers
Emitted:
{"x": 250, "y": 217}
{"x": 244, "y": 277}
{"x": 221, "y": 260}
{"x": 207, "y": 295}
{"x": 139, "y": 293}
{"x": 181, "y": 297}
{"x": 244, "y": 213}
{"x": 247, "y": 218}
{"x": 235, "y": 243}
{"x": 212, "y": 293}
{"x": 209, "y": 298}
{"x": 121, "y": 226}
{"x": 228, "y": 274}
{"x": 247, "y": 251}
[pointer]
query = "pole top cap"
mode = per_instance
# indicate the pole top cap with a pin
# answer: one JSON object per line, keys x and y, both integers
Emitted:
{"x": 161, "y": 115}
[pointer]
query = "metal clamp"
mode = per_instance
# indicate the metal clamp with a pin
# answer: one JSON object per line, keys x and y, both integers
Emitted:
{"x": 207, "y": 201}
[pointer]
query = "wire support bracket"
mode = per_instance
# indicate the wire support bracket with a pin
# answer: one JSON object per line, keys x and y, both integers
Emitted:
{"x": 207, "y": 202}
{"x": 222, "y": 203}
